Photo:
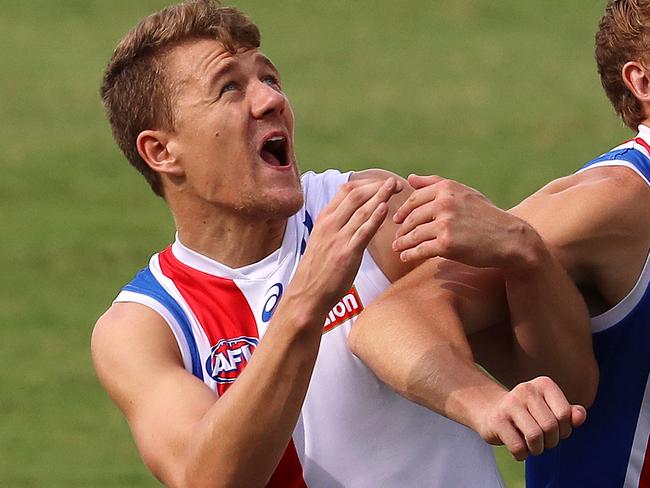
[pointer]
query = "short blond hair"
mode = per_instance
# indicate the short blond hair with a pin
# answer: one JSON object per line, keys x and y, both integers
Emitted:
{"x": 137, "y": 91}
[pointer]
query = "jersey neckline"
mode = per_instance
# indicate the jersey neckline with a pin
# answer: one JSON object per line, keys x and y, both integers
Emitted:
{"x": 259, "y": 270}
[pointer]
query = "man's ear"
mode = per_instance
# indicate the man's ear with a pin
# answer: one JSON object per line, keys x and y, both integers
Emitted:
{"x": 635, "y": 77}
{"x": 154, "y": 148}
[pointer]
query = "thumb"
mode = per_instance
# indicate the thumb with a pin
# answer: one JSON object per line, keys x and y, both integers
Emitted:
{"x": 417, "y": 181}
{"x": 578, "y": 415}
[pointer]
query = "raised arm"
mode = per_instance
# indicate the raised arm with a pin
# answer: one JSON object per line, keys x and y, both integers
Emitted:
{"x": 598, "y": 226}
{"x": 431, "y": 306}
{"x": 188, "y": 437}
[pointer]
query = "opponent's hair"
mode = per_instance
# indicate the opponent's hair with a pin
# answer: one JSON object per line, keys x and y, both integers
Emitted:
{"x": 623, "y": 35}
{"x": 137, "y": 90}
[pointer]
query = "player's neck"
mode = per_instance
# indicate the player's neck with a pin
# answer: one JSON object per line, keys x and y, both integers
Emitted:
{"x": 230, "y": 240}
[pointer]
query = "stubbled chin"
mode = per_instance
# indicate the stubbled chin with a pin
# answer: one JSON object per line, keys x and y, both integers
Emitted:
{"x": 288, "y": 204}
{"x": 280, "y": 203}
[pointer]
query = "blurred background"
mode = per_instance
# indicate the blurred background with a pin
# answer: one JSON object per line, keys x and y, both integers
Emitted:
{"x": 501, "y": 95}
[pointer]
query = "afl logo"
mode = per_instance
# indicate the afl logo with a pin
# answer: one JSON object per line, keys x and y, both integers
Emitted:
{"x": 272, "y": 298}
{"x": 229, "y": 357}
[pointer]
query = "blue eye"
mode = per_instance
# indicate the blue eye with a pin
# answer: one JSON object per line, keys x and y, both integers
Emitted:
{"x": 230, "y": 86}
{"x": 271, "y": 81}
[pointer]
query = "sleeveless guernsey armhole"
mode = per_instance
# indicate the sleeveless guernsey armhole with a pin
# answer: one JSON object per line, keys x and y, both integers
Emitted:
{"x": 628, "y": 157}
{"x": 145, "y": 290}
{"x": 636, "y": 160}
{"x": 623, "y": 308}
{"x": 147, "y": 301}
{"x": 615, "y": 163}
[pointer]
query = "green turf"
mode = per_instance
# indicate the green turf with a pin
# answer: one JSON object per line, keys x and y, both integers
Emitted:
{"x": 501, "y": 95}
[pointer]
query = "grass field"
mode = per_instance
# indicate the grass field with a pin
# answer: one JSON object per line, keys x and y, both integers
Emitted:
{"x": 502, "y": 95}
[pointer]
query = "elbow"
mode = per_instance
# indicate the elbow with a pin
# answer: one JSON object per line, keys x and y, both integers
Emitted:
{"x": 355, "y": 344}
{"x": 361, "y": 342}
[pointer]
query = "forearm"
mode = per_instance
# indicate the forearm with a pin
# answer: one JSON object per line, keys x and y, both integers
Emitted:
{"x": 431, "y": 363}
{"x": 550, "y": 325}
{"x": 242, "y": 438}
{"x": 445, "y": 380}
{"x": 254, "y": 419}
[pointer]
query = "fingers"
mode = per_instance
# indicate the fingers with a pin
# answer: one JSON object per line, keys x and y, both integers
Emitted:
{"x": 578, "y": 415}
{"x": 417, "y": 181}
{"x": 547, "y": 422}
{"x": 530, "y": 429}
{"x": 340, "y": 234}
{"x": 357, "y": 209}
{"x": 369, "y": 228}
{"x": 348, "y": 199}
{"x": 559, "y": 405}
{"x": 540, "y": 413}
{"x": 423, "y": 214}
{"x": 425, "y": 231}
{"x": 359, "y": 199}
{"x": 418, "y": 198}
{"x": 513, "y": 440}
{"x": 418, "y": 245}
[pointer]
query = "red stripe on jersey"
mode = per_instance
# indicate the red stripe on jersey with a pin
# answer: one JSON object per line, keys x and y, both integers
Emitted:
{"x": 644, "y": 479}
{"x": 226, "y": 317}
{"x": 641, "y": 142}
{"x": 285, "y": 474}
{"x": 223, "y": 312}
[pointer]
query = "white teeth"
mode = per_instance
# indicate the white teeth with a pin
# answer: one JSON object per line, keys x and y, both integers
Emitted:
{"x": 275, "y": 139}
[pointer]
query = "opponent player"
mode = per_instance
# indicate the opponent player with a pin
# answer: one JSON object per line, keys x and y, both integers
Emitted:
{"x": 597, "y": 222}
{"x": 254, "y": 279}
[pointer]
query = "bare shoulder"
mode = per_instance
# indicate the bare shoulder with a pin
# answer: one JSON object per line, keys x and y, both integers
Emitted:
{"x": 605, "y": 202}
{"x": 128, "y": 341}
{"x": 618, "y": 188}
{"x": 602, "y": 178}
{"x": 597, "y": 223}
{"x": 137, "y": 360}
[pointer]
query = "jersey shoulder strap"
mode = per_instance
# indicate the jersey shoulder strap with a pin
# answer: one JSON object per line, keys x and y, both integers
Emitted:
{"x": 625, "y": 155}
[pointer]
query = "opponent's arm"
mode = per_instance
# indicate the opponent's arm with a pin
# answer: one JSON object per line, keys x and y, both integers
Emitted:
{"x": 597, "y": 223}
{"x": 597, "y": 226}
{"x": 185, "y": 435}
{"x": 435, "y": 364}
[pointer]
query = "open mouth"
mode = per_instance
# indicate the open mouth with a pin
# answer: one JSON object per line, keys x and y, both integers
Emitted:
{"x": 274, "y": 151}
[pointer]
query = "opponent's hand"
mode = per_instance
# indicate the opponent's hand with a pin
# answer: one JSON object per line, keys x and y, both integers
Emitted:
{"x": 341, "y": 233}
{"x": 445, "y": 218}
{"x": 531, "y": 417}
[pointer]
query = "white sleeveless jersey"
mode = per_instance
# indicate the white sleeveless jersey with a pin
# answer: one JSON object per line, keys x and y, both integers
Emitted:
{"x": 353, "y": 431}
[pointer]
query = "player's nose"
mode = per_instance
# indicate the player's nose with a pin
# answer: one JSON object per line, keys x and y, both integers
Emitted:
{"x": 267, "y": 99}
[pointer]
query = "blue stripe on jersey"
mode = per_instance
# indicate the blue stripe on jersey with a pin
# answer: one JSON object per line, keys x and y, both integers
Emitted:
{"x": 597, "y": 454}
{"x": 630, "y": 155}
{"x": 145, "y": 283}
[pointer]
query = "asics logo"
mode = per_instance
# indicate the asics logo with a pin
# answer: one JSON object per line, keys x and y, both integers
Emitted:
{"x": 272, "y": 298}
